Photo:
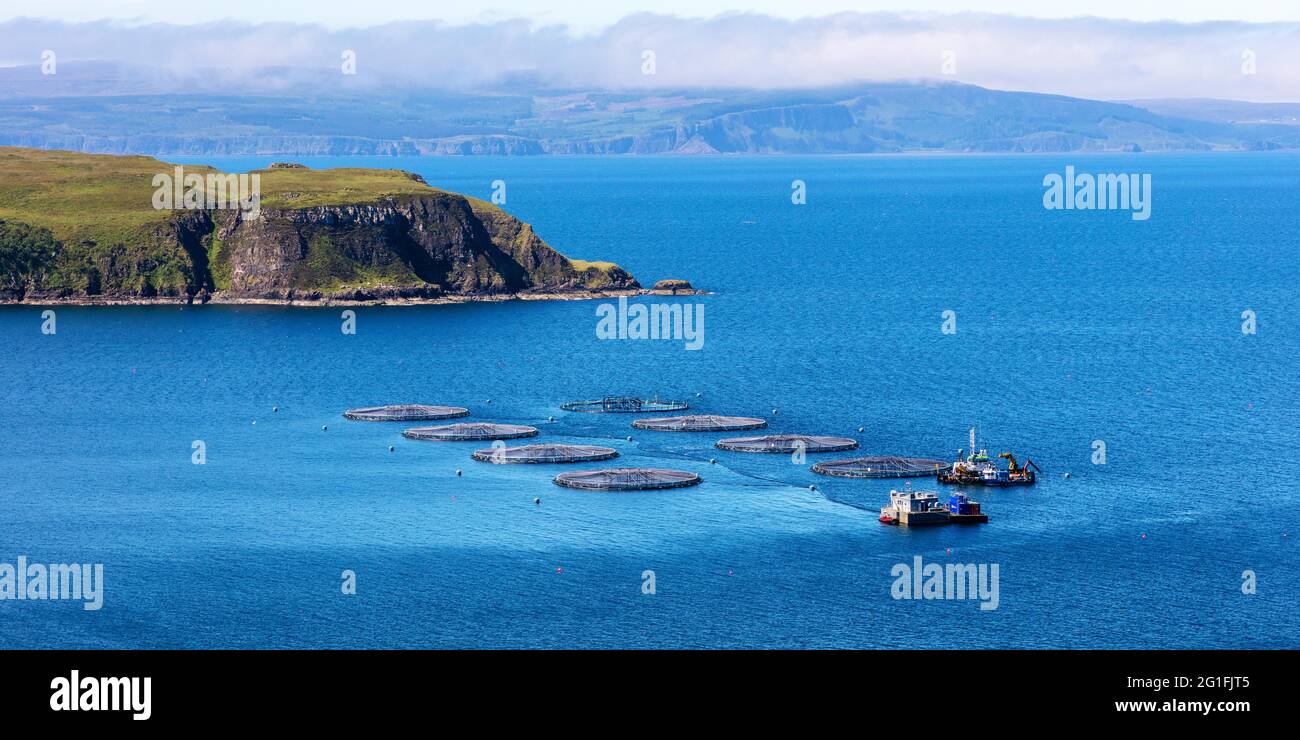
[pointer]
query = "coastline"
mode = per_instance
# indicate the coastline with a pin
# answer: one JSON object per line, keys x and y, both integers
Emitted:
{"x": 219, "y": 299}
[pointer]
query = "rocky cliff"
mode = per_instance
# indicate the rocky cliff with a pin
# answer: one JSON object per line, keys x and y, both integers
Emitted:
{"x": 336, "y": 235}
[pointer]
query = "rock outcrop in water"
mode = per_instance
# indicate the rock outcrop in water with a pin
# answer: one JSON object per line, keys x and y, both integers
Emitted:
{"x": 314, "y": 238}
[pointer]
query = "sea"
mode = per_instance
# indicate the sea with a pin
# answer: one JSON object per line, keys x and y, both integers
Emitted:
{"x": 1147, "y": 367}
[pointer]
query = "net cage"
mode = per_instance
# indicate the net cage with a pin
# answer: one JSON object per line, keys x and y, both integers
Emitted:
{"x": 471, "y": 432}
{"x": 699, "y": 423}
{"x": 625, "y": 405}
{"x": 627, "y": 479}
{"x": 884, "y": 466}
{"x": 405, "y": 412}
{"x": 545, "y": 453}
{"x": 779, "y": 443}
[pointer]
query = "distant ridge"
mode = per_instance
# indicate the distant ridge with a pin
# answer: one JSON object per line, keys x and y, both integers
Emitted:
{"x": 89, "y": 110}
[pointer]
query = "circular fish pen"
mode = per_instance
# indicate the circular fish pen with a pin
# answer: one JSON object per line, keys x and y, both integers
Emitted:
{"x": 544, "y": 454}
{"x": 405, "y": 412}
{"x": 624, "y": 405}
{"x": 627, "y": 479}
{"x": 786, "y": 443}
{"x": 884, "y": 466}
{"x": 471, "y": 432}
{"x": 699, "y": 423}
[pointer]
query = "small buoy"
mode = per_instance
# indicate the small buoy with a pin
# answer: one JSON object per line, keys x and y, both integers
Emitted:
{"x": 1067, "y": 475}
{"x": 391, "y": 448}
{"x": 1144, "y": 535}
{"x": 550, "y": 418}
{"x": 812, "y": 488}
{"x": 559, "y": 570}
{"x": 254, "y": 422}
{"x": 950, "y": 551}
{"x": 488, "y": 401}
{"x": 457, "y": 473}
{"x": 729, "y": 572}
{"x": 697, "y": 394}
{"x": 629, "y": 439}
{"x": 324, "y": 428}
{"x": 773, "y": 412}
{"x": 713, "y": 461}
{"x": 275, "y": 409}
{"x": 861, "y": 430}
{"x": 537, "y": 501}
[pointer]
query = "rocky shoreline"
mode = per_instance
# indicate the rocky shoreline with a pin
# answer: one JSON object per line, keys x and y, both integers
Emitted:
{"x": 219, "y": 299}
{"x": 378, "y": 297}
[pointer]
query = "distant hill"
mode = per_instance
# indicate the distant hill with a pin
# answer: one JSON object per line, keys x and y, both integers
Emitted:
{"x": 1223, "y": 111}
{"x": 89, "y": 109}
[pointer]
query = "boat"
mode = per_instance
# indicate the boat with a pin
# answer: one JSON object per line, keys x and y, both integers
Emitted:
{"x": 910, "y": 507}
{"x": 978, "y": 469}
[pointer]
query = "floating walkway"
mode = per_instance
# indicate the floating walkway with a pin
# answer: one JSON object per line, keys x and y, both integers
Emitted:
{"x": 406, "y": 412}
{"x": 787, "y": 443}
{"x": 470, "y": 432}
{"x": 624, "y": 405}
{"x": 699, "y": 423}
{"x": 887, "y": 466}
{"x": 627, "y": 479}
{"x": 545, "y": 453}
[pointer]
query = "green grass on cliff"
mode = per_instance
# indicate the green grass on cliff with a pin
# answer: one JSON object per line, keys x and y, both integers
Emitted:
{"x": 81, "y": 197}
{"x": 105, "y": 198}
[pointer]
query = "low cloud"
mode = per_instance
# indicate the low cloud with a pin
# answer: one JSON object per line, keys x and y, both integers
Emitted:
{"x": 1084, "y": 57}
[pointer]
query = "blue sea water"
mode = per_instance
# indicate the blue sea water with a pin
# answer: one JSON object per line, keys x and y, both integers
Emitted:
{"x": 1072, "y": 327}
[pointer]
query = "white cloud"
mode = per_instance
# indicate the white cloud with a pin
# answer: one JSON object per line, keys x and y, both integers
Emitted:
{"x": 1085, "y": 57}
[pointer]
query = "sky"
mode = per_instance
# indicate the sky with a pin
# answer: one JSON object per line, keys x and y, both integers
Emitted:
{"x": 1255, "y": 56}
{"x": 590, "y": 15}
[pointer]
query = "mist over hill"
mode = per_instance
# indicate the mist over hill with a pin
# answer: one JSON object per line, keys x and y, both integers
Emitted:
{"x": 91, "y": 110}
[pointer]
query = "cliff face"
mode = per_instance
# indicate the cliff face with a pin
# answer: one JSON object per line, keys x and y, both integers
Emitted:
{"x": 419, "y": 243}
{"x": 416, "y": 247}
{"x": 425, "y": 246}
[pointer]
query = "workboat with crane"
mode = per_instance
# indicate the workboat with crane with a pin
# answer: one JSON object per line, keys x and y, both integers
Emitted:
{"x": 978, "y": 469}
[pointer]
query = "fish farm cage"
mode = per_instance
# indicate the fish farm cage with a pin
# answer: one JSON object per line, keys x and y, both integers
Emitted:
{"x": 784, "y": 443}
{"x": 884, "y": 466}
{"x": 624, "y": 405}
{"x": 471, "y": 432}
{"x": 627, "y": 479}
{"x": 699, "y": 423}
{"x": 406, "y": 412}
{"x": 545, "y": 453}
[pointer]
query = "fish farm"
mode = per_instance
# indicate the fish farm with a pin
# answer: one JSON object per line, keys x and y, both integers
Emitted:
{"x": 787, "y": 443}
{"x": 887, "y": 466}
{"x": 699, "y": 423}
{"x": 624, "y": 405}
{"x": 470, "y": 432}
{"x": 627, "y": 479}
{"x": 406, "y": 412}
{"x": 545, "y": 453}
